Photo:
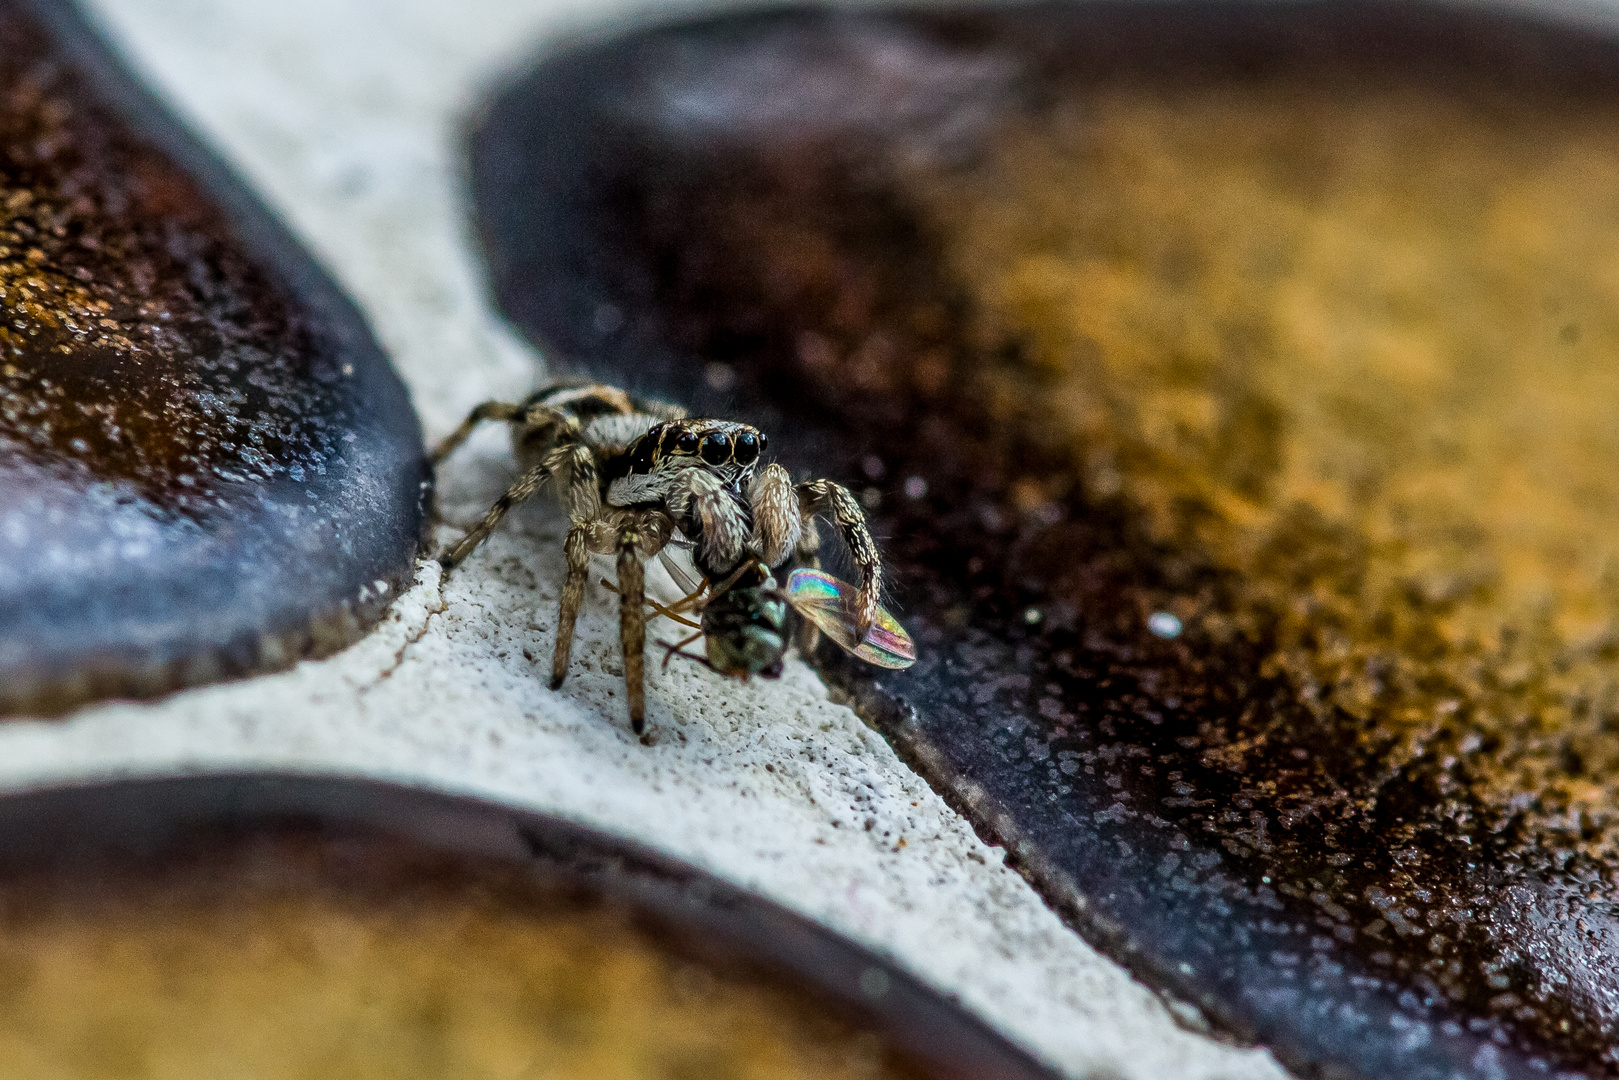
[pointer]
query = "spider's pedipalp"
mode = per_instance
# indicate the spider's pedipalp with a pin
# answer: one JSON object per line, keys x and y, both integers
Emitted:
{"x": 714, "y": 516}
{"x": 778, "y": 520}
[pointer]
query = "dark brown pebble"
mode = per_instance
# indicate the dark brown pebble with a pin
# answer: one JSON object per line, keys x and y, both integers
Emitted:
{"x": 322, "y": 873}
{"x": 207, "y": 467}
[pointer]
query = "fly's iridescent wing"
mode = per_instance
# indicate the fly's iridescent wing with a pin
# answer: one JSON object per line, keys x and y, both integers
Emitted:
{"x": 679, "y": 574}
{"x": 830, "y": 605}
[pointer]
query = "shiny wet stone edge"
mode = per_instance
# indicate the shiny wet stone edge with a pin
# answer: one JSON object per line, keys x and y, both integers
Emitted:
{"x": 285, "y": 608}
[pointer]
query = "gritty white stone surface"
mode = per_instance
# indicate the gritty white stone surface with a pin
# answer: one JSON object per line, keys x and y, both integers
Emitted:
{"x": 346, "y": 117}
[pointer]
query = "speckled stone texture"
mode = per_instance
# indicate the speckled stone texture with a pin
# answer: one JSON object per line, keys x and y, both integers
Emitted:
{"x": 1115, "y": 286}
{"x": 348, "y": 121}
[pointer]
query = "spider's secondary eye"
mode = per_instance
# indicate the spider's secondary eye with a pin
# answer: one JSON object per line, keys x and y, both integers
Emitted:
{"x": 716, "y": 449}
{"x": 686, "y": 443}
{"x": 764, "y": 442}
{"x": 747, "y": 448}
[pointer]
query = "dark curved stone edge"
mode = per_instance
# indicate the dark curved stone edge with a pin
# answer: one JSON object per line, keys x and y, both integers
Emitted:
{"x": 388, "y": 493}
{"x": 543, "y": 146}
{"x": 145, "y": 818}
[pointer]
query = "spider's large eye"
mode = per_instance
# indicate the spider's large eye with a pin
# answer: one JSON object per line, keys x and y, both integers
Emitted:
{"x": 747, "y": 448}
{"x": 686, "y": 443}
{"x": 716, "y": 449}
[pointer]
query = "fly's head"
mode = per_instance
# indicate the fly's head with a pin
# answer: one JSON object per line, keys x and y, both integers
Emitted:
{"x": 745, "y": 627}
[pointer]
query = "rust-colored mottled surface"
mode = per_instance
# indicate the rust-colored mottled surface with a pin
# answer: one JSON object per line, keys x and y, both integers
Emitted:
{"x": 203, "y": 457}
{"x": 1294, "y": 322}
{"x": 296, "y": 928}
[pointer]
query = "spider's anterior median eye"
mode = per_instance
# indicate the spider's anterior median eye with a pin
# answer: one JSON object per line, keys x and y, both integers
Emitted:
{"x": 747, "y": 448}
{"x": 686, "y": 443}
{"x": 716, "y": 449}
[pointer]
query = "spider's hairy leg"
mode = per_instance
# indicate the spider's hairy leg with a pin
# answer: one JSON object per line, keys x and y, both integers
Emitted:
{"x": 573, "y": 461}
{"x": 543, "y": 429}
{"x": 778, "y": 521}
{"x": 663, "y": 410}
{"x": 489, "y": 410}
{"x": 808, "y": 552}
{"x": 632, "y": 624}
{"x": 520, "y": 492}
{"x": 575, "y": 467}
{"x": 835, "y": 501}
{"x": 576, "y": 548}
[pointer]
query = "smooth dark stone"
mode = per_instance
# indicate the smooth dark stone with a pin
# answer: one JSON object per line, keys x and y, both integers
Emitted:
{"x": 714, "y": 191}
{"x": 207, "y": 466}
{"x": 59, "y": 841}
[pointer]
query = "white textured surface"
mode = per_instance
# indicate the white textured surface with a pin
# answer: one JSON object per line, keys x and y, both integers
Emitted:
{"x": 346, "y": 116}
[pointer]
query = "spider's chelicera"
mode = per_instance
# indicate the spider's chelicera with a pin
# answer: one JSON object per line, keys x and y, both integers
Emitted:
{"x": 635, "y": 474}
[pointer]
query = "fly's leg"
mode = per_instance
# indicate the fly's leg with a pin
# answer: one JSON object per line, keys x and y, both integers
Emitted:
{"x": 673, "y": 614}
{"x": 672, "y": 651}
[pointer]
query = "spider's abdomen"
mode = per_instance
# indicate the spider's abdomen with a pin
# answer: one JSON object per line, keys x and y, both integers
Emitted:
{"x": 606, "y": 417}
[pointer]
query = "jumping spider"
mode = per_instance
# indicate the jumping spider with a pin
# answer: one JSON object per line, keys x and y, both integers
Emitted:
{"x": 635, "y": 474}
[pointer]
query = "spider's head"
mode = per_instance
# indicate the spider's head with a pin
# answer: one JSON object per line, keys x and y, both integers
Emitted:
{"x": 645, "y": 470}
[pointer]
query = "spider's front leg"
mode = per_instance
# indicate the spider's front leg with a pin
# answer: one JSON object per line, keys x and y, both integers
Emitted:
{"x": 576, "y": 548}
{"x": 582, "y": 497}
{"x": 641, "y": 534}
{"x": 835, "y": 501}
{"x": 633, "y": 536}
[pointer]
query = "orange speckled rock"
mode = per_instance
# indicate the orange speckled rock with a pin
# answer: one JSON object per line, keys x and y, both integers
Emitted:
{"x": 1233, "y": 387}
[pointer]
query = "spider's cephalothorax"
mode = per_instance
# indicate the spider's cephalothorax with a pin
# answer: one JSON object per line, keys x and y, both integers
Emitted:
{"x": 701, "y": 471}
{"x": 631, "y": 474}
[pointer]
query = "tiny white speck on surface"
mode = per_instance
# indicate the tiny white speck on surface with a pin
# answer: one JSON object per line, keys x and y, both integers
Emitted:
{"x": 347, "y": 119}
{"x": 1163, "y": 624}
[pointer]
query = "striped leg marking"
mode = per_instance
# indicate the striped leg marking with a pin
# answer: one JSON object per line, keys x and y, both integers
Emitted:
{"x": 835, "y": 501}
{"x": 632, "y": 625}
